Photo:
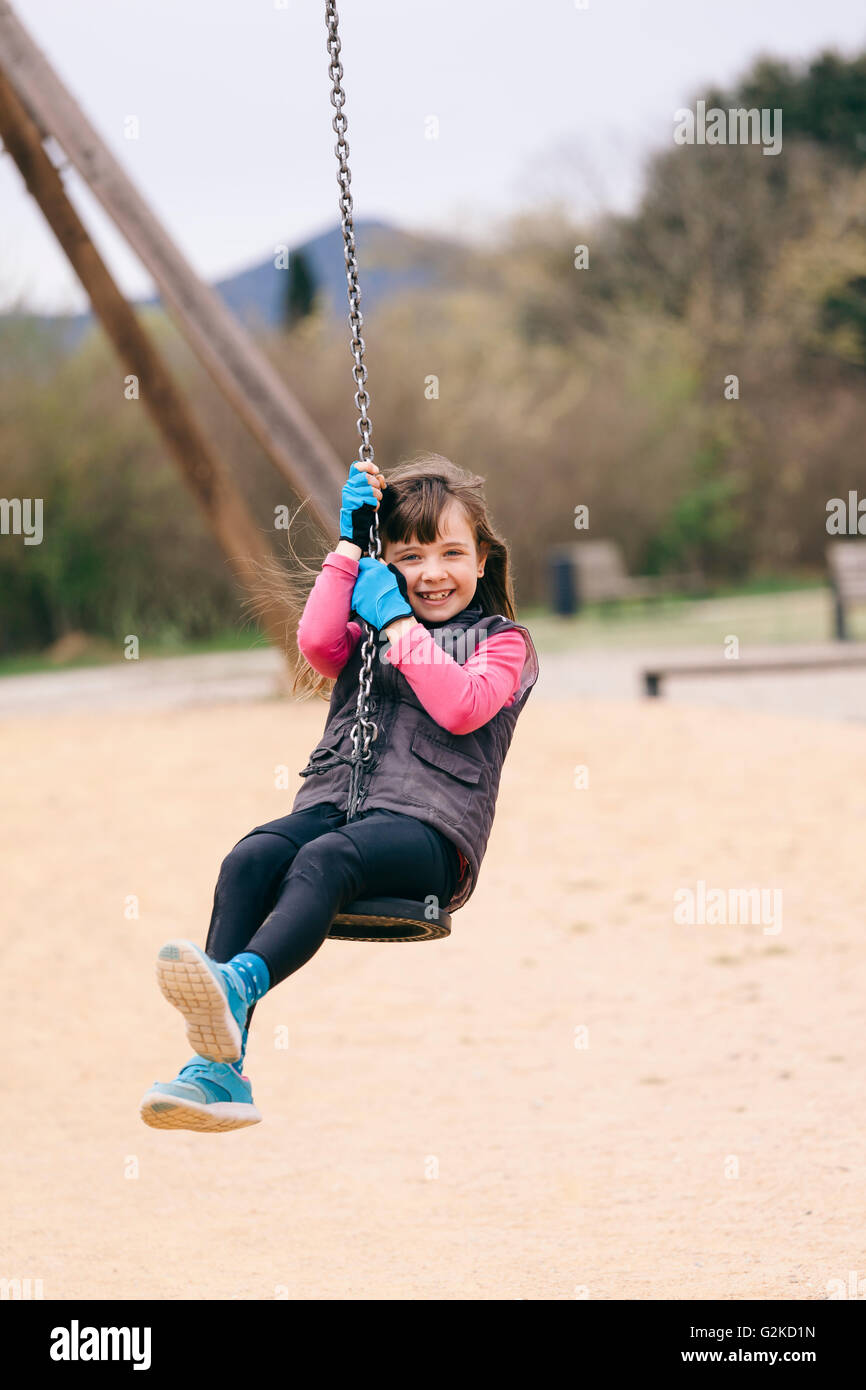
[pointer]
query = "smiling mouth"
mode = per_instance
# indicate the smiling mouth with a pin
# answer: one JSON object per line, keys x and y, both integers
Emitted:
{"x": 436, "y": 596}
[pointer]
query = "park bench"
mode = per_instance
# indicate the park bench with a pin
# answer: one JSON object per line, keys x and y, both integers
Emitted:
{"x": 846, "y": 562}
{"x": 594, "y": 571}
{"x": 654, "y": 677}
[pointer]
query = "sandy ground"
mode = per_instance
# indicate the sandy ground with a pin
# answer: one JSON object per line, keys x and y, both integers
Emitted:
{"x": 432, "y": 1131}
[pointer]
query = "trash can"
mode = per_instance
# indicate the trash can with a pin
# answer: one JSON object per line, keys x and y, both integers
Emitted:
{"x": 563, "y": 588}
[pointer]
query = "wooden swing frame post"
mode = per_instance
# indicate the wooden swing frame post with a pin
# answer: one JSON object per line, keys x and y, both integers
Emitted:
{"x": 243, "y": 373}
{"x": 37, "y": 106}
{"x": 202, "y": 469}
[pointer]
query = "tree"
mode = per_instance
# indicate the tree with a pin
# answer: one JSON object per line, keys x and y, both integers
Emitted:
{"x": 824, "y": 101}
{"x": 302, "y": 289}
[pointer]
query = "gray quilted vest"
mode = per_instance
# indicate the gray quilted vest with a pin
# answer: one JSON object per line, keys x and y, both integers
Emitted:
{"x": 419, "y": 769}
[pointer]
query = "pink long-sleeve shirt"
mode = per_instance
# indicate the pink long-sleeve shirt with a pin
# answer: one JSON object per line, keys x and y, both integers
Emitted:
{"x": 459, "y": 697}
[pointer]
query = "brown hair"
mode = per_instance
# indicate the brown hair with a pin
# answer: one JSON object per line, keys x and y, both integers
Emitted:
{"x": 418, "y": 491}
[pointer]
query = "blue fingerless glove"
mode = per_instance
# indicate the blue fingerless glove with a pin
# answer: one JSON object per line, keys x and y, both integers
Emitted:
{"x": 380, "y": 593}
{"x": 358, "y": 509}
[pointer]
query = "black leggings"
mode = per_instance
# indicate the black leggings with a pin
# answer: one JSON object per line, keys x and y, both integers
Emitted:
{"x": 283, "y": 884}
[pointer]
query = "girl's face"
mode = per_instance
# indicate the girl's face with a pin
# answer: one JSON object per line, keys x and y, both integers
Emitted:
{"x": 449, "y": 566}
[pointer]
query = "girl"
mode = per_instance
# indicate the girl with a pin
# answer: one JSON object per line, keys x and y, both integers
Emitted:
{"x": 452, "y": 675}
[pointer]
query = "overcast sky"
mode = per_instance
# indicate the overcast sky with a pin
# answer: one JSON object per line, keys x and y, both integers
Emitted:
{"x": 235, "y": 153}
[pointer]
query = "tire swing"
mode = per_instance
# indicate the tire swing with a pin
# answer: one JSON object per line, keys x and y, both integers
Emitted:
{"x": 368, "y": 919}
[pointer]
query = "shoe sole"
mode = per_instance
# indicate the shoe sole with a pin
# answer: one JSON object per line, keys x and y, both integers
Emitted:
{"x": 162, "y": 1112}
{"x": 188, "y": 984}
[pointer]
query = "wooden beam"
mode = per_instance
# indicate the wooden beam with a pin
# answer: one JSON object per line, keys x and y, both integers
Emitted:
{"x": 207, "y": 477}
{"x": 240, "y": 369}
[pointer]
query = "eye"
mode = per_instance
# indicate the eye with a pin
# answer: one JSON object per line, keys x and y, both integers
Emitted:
{"x": 413, "y": 555}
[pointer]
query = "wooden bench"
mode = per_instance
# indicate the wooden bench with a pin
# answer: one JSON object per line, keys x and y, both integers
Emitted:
{"x": 654, "y": 677}
{"x": 594, "y": 572}
{"x": 846, "y": 562}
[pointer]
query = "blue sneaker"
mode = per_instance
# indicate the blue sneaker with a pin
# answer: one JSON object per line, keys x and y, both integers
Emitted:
{"x": 211, "y": 998}
{"x": 205, "y": 1096}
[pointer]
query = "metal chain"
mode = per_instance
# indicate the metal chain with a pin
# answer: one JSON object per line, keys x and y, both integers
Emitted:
{"x": 364, "y": 730}
{"x": 344, "y": 179}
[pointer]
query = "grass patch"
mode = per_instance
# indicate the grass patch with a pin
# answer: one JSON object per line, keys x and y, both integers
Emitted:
{"x": 29, "y": 663}
{"x": 767, "y": 610}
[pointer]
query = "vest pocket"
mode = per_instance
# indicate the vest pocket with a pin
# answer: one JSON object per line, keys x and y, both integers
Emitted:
{"x": 331, "y": 739}
{"x": 442, "y": 779}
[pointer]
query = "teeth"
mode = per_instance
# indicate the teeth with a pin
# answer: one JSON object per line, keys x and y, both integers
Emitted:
{"x": 442, "y": 594}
